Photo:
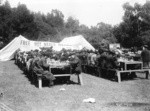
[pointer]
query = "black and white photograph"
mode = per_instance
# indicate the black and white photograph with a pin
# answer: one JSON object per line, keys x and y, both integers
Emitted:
{"x": 74, "y": 55}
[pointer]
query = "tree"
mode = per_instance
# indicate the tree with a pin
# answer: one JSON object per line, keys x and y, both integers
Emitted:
{"x": 131, "y": 32}
{"x": 55, "y": 18}
{"x": 5, "y": 21}
{"x": 23, "y": 21}
{"x": 43, "y": 28}
{"x": 72, "y": 25}
{"x": 97, "y": 33}
{"x": 105, "y": 31}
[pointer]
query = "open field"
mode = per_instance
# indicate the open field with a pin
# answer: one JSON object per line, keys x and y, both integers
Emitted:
{"x": 17, "y": 93}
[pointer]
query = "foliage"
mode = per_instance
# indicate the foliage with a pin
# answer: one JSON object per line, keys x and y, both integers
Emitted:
{"x": 97, "y": 34}
{"x": 134, "y": 30}
{"x": 48, "y": 27}
{"x": 72, "y": 25}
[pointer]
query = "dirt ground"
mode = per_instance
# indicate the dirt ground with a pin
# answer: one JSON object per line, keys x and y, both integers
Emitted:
{"x": 17, "y": 93}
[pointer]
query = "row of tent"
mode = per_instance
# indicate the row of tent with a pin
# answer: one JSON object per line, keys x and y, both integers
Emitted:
{"x": 20, "y": 42}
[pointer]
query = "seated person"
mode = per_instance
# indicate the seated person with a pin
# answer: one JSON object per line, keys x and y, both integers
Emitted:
{"x": 41, "y": 67}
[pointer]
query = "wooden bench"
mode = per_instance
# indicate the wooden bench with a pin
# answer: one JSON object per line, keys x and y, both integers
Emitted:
{"x": 119, "y": 72}
{"x": 79, "y": 76}
{"x": 39, "y": 77}
{"x": 147, "y": 70}
{"x": 80, "y": 80}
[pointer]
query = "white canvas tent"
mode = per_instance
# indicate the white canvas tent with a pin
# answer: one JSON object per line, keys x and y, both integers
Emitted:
{"x": 20, "y": 42}
{"x": 77, "y": 42}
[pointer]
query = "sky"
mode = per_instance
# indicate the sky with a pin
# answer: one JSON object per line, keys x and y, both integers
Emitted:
{"x": 88, "y": 12}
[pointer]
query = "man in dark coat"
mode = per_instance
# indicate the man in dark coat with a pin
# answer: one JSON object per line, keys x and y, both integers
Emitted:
{"x": 41, "y": 68}
{"x": 145, "y": 55}
{"x": 76, "y": 64}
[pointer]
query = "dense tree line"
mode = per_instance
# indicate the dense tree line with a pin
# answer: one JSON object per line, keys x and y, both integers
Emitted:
{"x": 135, "y": 28}
{"x": 50, "y": 26}
{"x": 133, "y": 31}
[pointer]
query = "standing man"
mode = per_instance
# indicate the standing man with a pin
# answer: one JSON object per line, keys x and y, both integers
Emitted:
{"x": 145, "y": 55}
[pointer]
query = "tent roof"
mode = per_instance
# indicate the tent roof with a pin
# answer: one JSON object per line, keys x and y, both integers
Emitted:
{"x": 20, "y": 42}
{"x": 8, "y": 51}
{"x": 77, "y": 41}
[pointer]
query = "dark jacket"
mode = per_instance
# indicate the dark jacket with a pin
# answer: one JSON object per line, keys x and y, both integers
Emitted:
{"x": 76, "y": 65}
{"x": 41, "y": 68}
{"x": 145, "y": 54}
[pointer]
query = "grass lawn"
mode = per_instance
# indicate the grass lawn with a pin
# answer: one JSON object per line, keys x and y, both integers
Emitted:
{"x": 19, "y": 94}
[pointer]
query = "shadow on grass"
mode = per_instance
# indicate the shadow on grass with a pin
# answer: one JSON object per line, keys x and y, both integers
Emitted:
{"x": 57, "y": 81}
{"x": 127, "y": 104}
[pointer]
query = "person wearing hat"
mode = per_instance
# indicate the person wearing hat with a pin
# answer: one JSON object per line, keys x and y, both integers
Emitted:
{"x": 145, "y": 56}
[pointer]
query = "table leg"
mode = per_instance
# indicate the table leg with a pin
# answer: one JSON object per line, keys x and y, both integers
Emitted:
{"x": 118, "y": 76}
{"x": 70, "y": 69}
{"x": 141, "y": 65}
{"x": 40, "y": 82}
{"x": 147, "y": 73}
{"x": 125, "y": 65}
{"x": 80, "y": 80}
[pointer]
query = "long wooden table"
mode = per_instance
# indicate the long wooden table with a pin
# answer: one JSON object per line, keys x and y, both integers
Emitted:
{"x": 60, "y": 65}
{"x": 125, "y": 68}
{"x": 125, "y": 64}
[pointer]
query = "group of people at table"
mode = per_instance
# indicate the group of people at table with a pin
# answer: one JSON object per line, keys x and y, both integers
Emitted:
{"x": 39, "y": 62}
